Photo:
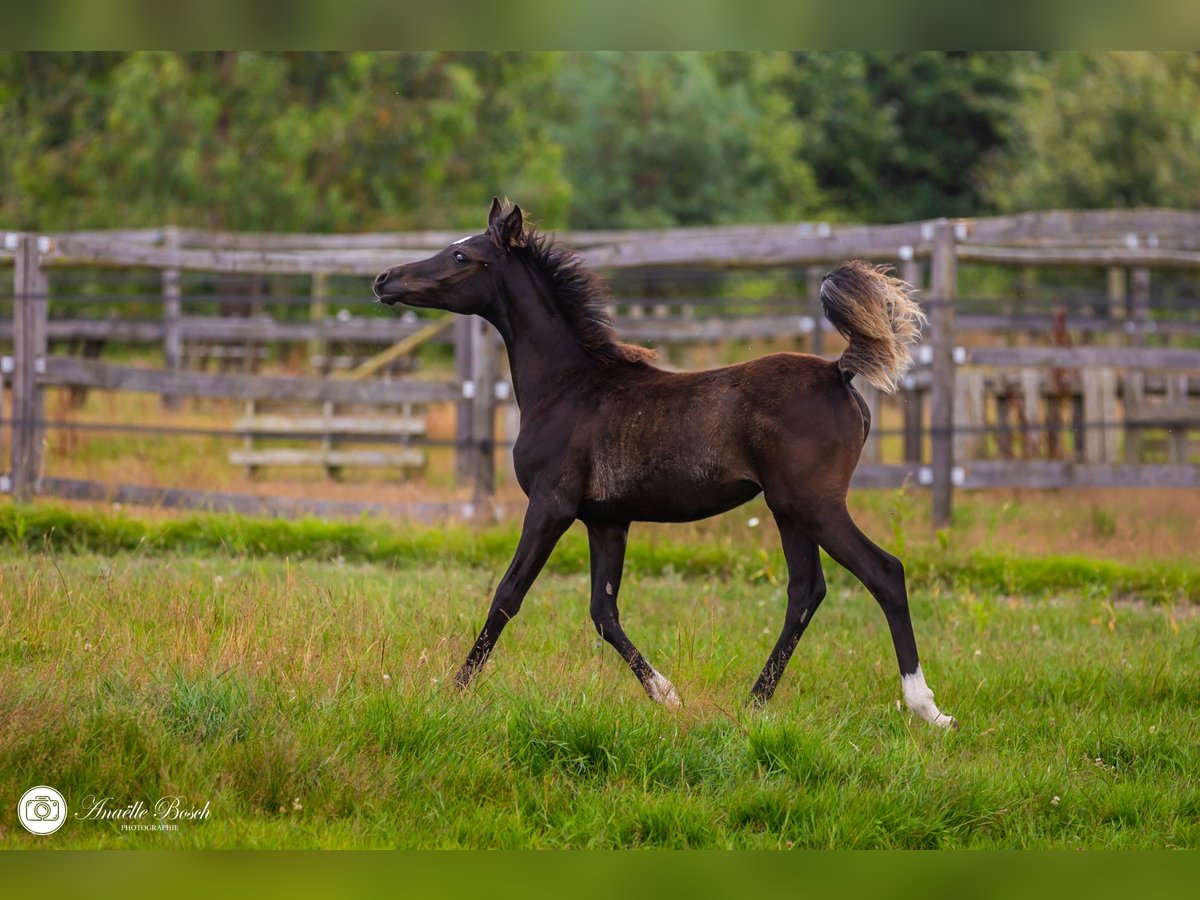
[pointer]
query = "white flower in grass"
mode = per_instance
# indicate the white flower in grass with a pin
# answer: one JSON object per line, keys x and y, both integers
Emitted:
{"x": 753, "y": 522}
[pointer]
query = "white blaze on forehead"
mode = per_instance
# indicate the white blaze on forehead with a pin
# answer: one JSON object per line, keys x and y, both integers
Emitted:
{"x": 919, "y": 698}
{"x": 463, "y": 239}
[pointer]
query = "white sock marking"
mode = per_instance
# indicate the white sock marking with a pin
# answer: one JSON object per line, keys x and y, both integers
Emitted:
{"x": 919, "y": 698}
{"x": 662, "y": 691}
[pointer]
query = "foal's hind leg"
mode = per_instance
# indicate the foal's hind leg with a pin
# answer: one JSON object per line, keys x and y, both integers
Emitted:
{"x": 606, "y": 544}
{"x": 883, "y": 576}
{"x": 806, "y": 590}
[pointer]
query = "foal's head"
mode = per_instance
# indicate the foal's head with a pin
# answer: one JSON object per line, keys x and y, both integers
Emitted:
{"x": 464, "y": 277}
{"x": 488, "y": 273}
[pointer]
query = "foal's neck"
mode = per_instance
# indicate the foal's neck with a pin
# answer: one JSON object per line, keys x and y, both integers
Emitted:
{"x": 543, "y": 350}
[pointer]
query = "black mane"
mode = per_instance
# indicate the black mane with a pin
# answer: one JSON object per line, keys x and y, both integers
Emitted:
{"x": 582, "y": 297}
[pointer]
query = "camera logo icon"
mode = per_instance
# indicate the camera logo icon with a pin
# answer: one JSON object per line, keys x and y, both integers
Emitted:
{"x": 42, "y": 810}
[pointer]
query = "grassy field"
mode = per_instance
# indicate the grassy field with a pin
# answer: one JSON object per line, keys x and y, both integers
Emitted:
{"x": 293, "y": 678}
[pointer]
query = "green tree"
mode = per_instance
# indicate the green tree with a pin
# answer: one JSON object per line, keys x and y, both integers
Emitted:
{"x": 656, "y": 139}
{"x": 296, "y": 141}
{"x": 1103, "y": 129}
{"x": 899, "y": 136}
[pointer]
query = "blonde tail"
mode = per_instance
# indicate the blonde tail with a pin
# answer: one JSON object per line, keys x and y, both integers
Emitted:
{"x": 874, "y": 312}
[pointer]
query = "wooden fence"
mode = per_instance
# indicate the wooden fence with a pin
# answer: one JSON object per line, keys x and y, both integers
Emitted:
{"x": 1109, "y": 399}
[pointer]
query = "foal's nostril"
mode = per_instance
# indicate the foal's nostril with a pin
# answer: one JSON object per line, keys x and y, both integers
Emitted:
{"x": 379, "y": 280}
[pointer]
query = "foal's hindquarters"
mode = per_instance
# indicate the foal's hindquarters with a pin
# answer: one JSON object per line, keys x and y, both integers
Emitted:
{"x": 805, "y": 464}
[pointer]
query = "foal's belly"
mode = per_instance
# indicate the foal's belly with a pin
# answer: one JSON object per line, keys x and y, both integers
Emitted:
{"x": 667, "y": 501}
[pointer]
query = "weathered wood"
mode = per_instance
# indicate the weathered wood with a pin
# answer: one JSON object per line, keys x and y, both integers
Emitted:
{"x": 1085, "y": 357}
{"x": 871, "y": 451}
{"x": 172, "y": 293}
{"x": 30, "y": 302}
{"x": 1033, "y": 421}
{"x": 943, "y": 289}
{"x": 1139, "y": 304}
{"x": 1118, "y": 292}
{"x": 1188, "y": 417}
{"x": 1061, "y": 225}
{"x": 253, "y": 504}
{"x": 403, "y": 347}
{"x": 276, "y": 424}
{"x": 399, "y": 458}
{"x": 1133, "y": 396}
{"x": 750, "y": 245}
{"x": 814, "y": 276}
{"x": 464, "y": 368}
{"x": 685, "y": 329}
{"x": 914, "y": 424}
{"x": 62, "y": 370}
{"x": 969, "y": 414}
{"x": 1042, "y": 473}
{"x": 485, "y": 375}
{"x": 1099, "y": 415}
{"x": 1159, "y": 257}
{"x": 318, "y": 314}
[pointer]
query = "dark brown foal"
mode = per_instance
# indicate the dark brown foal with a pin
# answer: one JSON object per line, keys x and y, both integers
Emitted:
{"x": 609, "y": 439}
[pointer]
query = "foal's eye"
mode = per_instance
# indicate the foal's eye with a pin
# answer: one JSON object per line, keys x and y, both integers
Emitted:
{"x": 460, "y": 258}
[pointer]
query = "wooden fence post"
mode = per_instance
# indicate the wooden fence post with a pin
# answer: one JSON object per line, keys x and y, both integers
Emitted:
{"x": 464, "y": 370}
{"x": 815, "y": 274}
{"x": 318, "y": 312}
{"x": 30, "y": 301}
{"x": 1139, "y": 304}
{"x": 172, "y": 292}
{"x": 943, "y": 287}
{"x": 483, "y": 414}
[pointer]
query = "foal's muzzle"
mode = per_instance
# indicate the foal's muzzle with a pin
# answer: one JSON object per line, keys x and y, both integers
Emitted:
{"x": 384, "y": 295}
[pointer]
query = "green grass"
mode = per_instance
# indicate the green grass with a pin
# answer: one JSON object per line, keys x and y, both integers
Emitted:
{"x": 294, "y": 677}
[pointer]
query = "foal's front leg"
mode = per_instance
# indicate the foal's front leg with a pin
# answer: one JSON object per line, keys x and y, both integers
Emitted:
{"x": 544, "y": 525}
{"x": 606, "y": 543}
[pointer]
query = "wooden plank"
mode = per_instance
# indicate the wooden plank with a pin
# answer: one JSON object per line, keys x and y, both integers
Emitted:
{"x": 814, "y": 275}
{"x": 1057, "y": 474}
{"x": 1177, "y": 399}
{"x": 773, "y": 245}
{"x": 30, "y": 302}
{"x": 888, "y": 477}
{"x": 1033, "y": 416}
{"x": 63, "y": 370}
{"x": 969, "y": 414}
{"x": 1086, "y": 357}
{"x": 1099, "y": 415}
{"x": 1139, "y": 304}
{"x": 464, "y": 368}
{"x": 871, "y": 451}
{"x": 1073, "y": 224}
{"x": 1134, "y": 400}
{"x": 318, "y": 314}
{"x": 402, "y": 458}
{"x": 1159, "y": 257}
{"x": 684, "y": 330}
{"x": 914, "y": 427}
{"x": 253, "y": 504}
{"x": 393, "y": 426}
{"x": 401, "y": 348}
{"x": 483, "y": 415}
{"x": 943, "y": 289}
{"x": 172, "y": 293}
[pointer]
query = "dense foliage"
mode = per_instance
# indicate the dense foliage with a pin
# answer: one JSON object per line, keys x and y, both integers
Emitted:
{"x": 358, "y": 141}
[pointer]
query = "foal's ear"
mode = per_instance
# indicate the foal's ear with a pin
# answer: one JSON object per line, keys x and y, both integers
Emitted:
{"x": 506, "y": 229}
